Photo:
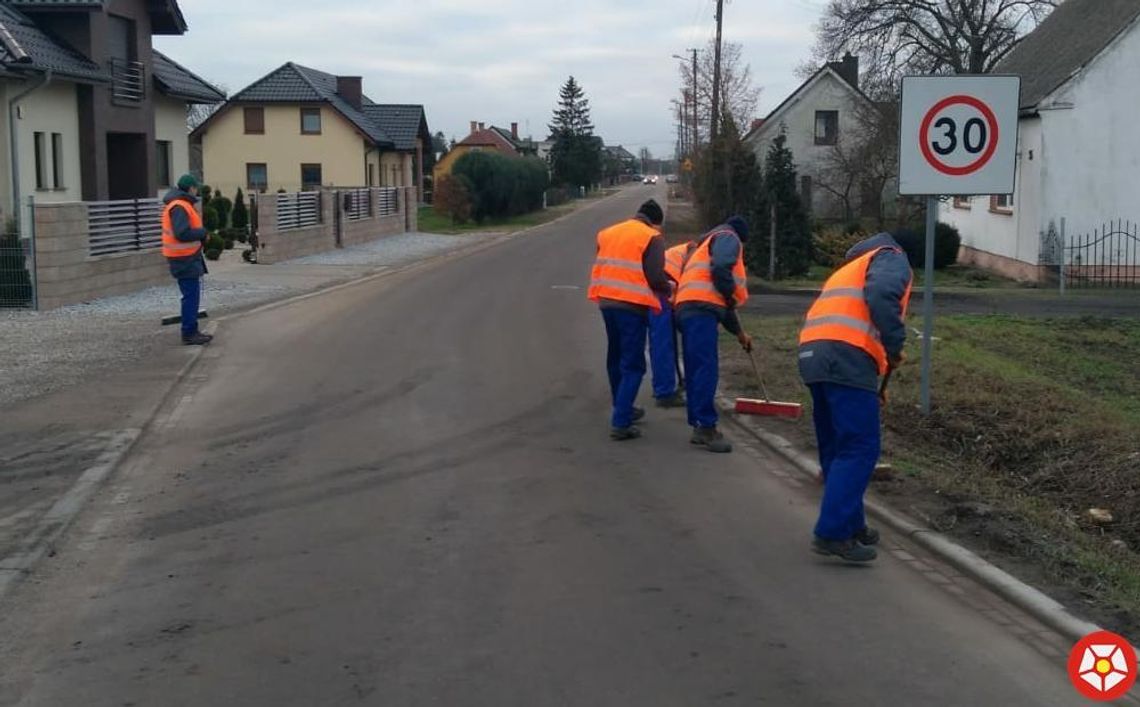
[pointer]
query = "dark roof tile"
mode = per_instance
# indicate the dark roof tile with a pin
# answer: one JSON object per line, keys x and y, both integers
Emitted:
{"x": 177, "y": 81}
{"x": 24, "y": 46}
{"x": 401, "y": 122}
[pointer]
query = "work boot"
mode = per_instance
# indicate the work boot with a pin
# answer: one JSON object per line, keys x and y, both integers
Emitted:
{"x": 622, "y": 434}
{"x": 197, "y": 339}
{"x": 846, "y": 550}
{"x": 676, "y": 400}
{"x": 711, "y": 439}
{"x": 867, "y": 536}
{"x": 638, "y": 414}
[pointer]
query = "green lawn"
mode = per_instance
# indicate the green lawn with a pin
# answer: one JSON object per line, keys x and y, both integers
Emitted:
{"x": 1037, "y": 419}
{"x": 954, "y": 277}
{"x": 431, "y": 222}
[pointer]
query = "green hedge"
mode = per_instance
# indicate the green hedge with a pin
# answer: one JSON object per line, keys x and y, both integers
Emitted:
{"x": 502, "y": 186}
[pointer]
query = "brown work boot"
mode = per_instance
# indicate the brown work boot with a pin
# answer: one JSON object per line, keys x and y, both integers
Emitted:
{"x": 711, "y": 439}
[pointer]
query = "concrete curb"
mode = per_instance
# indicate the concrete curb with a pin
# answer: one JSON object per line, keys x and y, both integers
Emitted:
{"x": 38, "y": 543}
{"x": 1030, "y": 600}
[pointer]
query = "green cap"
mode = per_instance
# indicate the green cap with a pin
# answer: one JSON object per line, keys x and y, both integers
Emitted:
{"x": 187, "y": 181}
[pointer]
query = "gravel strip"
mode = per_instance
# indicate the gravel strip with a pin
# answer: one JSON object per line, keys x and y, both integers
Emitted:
{"x": 41, "y": 352}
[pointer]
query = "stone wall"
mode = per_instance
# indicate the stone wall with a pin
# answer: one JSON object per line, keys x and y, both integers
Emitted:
{"x": 1002, "y": 265}
{"x": 66, "y": 273}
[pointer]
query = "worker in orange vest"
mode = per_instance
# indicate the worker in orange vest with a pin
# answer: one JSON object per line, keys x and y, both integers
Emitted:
{"x": 183, "y": 236}
{"x": 853, "y": 334}
{"x": 627, "y": 282}
{"x": 713, "y": 284}
{"x": 663, "y": 334}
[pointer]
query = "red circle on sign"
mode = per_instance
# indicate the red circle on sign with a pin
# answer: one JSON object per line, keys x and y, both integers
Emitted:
{"x": 991, "y": 148}
{"x": 1102, "y": 666}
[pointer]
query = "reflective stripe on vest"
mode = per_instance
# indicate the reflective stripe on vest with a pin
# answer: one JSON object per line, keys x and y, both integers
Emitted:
{"x": 697, "y": 284}
{"x": 171, "y": 246}
{"x": 675, "y": 259}
{"x": 840, "y": 313}
{"x": 618, "y": 272}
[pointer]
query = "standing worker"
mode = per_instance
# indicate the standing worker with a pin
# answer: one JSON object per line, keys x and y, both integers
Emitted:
{"x": 183, "y": 236}
{"x": 627, "y": 282}
{"x": 663, "y": 334}
{"x": 853, "y": 334}
{"x": 713, "y": 284}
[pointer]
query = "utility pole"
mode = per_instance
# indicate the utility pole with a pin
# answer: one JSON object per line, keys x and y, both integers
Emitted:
{"x": 716, "y": 71}
{"x": 696, "y": 115}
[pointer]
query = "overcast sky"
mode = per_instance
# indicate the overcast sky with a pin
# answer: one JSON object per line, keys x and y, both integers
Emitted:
{"x": 499, "y": 61}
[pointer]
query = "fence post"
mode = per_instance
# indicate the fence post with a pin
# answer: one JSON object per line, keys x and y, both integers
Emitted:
{"x": 1064, "y": 250}
{"x": 33, "y": 271}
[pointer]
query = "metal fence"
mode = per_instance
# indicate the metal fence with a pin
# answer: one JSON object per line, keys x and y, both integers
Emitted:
{"x": 298, "y": 210}
{"x": 389, "y": 201}
{"x": 17, "y": 285}
{"x": 357, "y": 204}
{"x": 1106, "y": 257}
{"x": 124, "y": 226}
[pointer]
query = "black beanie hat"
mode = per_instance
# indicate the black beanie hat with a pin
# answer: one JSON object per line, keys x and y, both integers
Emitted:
{"x": 652, "y": 211}
{"x": 739, "y": 225}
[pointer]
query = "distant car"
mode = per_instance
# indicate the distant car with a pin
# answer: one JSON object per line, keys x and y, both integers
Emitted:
{"x": 671, "y": 179}
{"x": 654, "y": 178}
{"x": 648, "y": 180}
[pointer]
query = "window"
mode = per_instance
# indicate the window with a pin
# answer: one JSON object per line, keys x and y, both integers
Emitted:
{"x": 310, "y": 121}
{"x": 254, "y": 121}
{"x": 1001, "y": 203}
{"x": 41, "y": 161}
{"x": 310, "y": 176}
{"x": 826, "y": 127}
{"x": 162, "y": 161}
{"x": 57, "y": 161}
{"x": 962, "y": 202}
{"x": 256, "y": 177}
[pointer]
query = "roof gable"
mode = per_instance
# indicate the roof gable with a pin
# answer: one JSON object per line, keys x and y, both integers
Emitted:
{"x": 489, "y": 137}
{"x": 177, "y": 81}
{"x": 165, "y": 15}
{"x": 773, "y": 119}
{"x": 1067, "y": 41}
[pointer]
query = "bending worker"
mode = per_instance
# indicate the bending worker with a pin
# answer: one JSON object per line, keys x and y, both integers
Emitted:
{"x": 663, "y": 334}
{"x": 182, "y": 238}
{"x": 853, "y": 334}
{"x": 713, "y": 284}
{"x": 628, "y": 282}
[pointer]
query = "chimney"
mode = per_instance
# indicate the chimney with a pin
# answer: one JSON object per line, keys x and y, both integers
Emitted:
{"x": 474, "y": 127}
{"x": 757, "y": 123}
{"x": 515, "y": 132}
{"x": 482, "y": 126}
{"x": 849, "y": 69}
{"x": 351, "y": 89}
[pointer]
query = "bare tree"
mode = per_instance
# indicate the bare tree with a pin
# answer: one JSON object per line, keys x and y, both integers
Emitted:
{"x": 864, "y": 161}
{"x": 739, "y": 97}
{"x": 892, "y": 37}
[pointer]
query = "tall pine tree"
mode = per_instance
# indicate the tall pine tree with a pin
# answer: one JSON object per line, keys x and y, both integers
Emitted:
{"x": 576, "y": 157}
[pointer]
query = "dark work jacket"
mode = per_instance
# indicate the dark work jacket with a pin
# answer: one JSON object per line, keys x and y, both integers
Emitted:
{"x": 193, "y": 267}
{"x": 888, "y": 277}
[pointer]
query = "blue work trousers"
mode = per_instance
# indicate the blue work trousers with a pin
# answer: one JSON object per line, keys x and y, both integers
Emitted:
{"x": 191, "y": 288}
{"x": 663, "y": 350}
{"x": 847, "y": 429}
{"x": 625, "y": 360}
{"x": 702, "y": 368}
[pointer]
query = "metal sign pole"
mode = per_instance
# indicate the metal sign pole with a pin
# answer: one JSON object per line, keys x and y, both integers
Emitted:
{"x": 928, "y": 301}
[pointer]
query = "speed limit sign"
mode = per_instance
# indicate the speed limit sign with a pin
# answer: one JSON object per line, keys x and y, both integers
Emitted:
{"x": 958, "y": 135}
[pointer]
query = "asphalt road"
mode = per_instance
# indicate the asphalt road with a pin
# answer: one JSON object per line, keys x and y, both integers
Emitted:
{"x": 403, "y": 493}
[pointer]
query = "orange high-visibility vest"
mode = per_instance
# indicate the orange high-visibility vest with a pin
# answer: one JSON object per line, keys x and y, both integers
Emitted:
{"x": 171, "y": 246}
{"x": 841, "y": 312}
{"x": 696, "y": 283}
{"x": 618, "y": 271}
{"x": 675, "y": 259}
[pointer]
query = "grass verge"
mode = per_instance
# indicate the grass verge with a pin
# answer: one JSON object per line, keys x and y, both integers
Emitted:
{"x": 432, "y": 222}
{"x": 1035, "y": 422}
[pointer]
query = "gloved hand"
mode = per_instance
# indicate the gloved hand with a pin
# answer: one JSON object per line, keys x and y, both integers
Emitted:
{"x": 745, "y": 341}
{"x": 896, "y": 361}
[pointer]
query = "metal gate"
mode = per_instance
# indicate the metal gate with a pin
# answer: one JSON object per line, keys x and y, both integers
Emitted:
{"x": 18, "y": 265}
{"x": 1106, "y": 257}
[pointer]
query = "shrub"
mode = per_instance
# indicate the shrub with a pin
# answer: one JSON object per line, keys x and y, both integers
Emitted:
{"x": 215, "y": 242}
{"x": 223, "y": 207}
{"x": 240, "y": 217}
{"x": 832, "y": 244}
{"x": 947, "y": 240}
{"x": 557, "y": 196}
{"x": 229, "y": 243}
{"x": 453, "y": 199}
{"x": 210, "y": 218}
{"x": 213, "y": 253}
{"x": 502, "y": 186}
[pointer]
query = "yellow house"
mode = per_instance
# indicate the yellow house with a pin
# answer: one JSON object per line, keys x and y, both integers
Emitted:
{"x": 298, "y": 128}
{"x": 484, "y": 138}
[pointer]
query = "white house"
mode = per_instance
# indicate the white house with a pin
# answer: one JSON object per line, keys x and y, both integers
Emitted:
{"x": 1078, "y": 152}
{"x": 819, "y": 116}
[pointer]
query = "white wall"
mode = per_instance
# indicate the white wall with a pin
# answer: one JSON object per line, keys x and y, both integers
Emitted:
{"x": 170, "y": 124}
{"x": 828, "y": 93}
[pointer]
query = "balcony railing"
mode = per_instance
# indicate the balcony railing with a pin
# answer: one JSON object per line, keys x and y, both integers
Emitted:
{"x": 128, "y": 82}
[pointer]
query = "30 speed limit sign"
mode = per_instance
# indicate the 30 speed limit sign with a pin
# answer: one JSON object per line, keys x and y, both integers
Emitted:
{"x": 958, "y": 135}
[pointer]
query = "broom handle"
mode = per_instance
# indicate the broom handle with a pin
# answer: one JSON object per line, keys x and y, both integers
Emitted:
{"x": 759, "y": 378}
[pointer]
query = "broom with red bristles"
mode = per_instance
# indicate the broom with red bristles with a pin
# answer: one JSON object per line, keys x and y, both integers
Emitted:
{"x": 766, "y": 407}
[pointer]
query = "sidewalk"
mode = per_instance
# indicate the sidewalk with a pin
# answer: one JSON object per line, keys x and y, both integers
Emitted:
{"x": 42, "y": 352}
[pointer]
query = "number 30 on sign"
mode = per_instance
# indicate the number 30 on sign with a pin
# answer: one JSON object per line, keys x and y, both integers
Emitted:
{"x": 958, "y": 135}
